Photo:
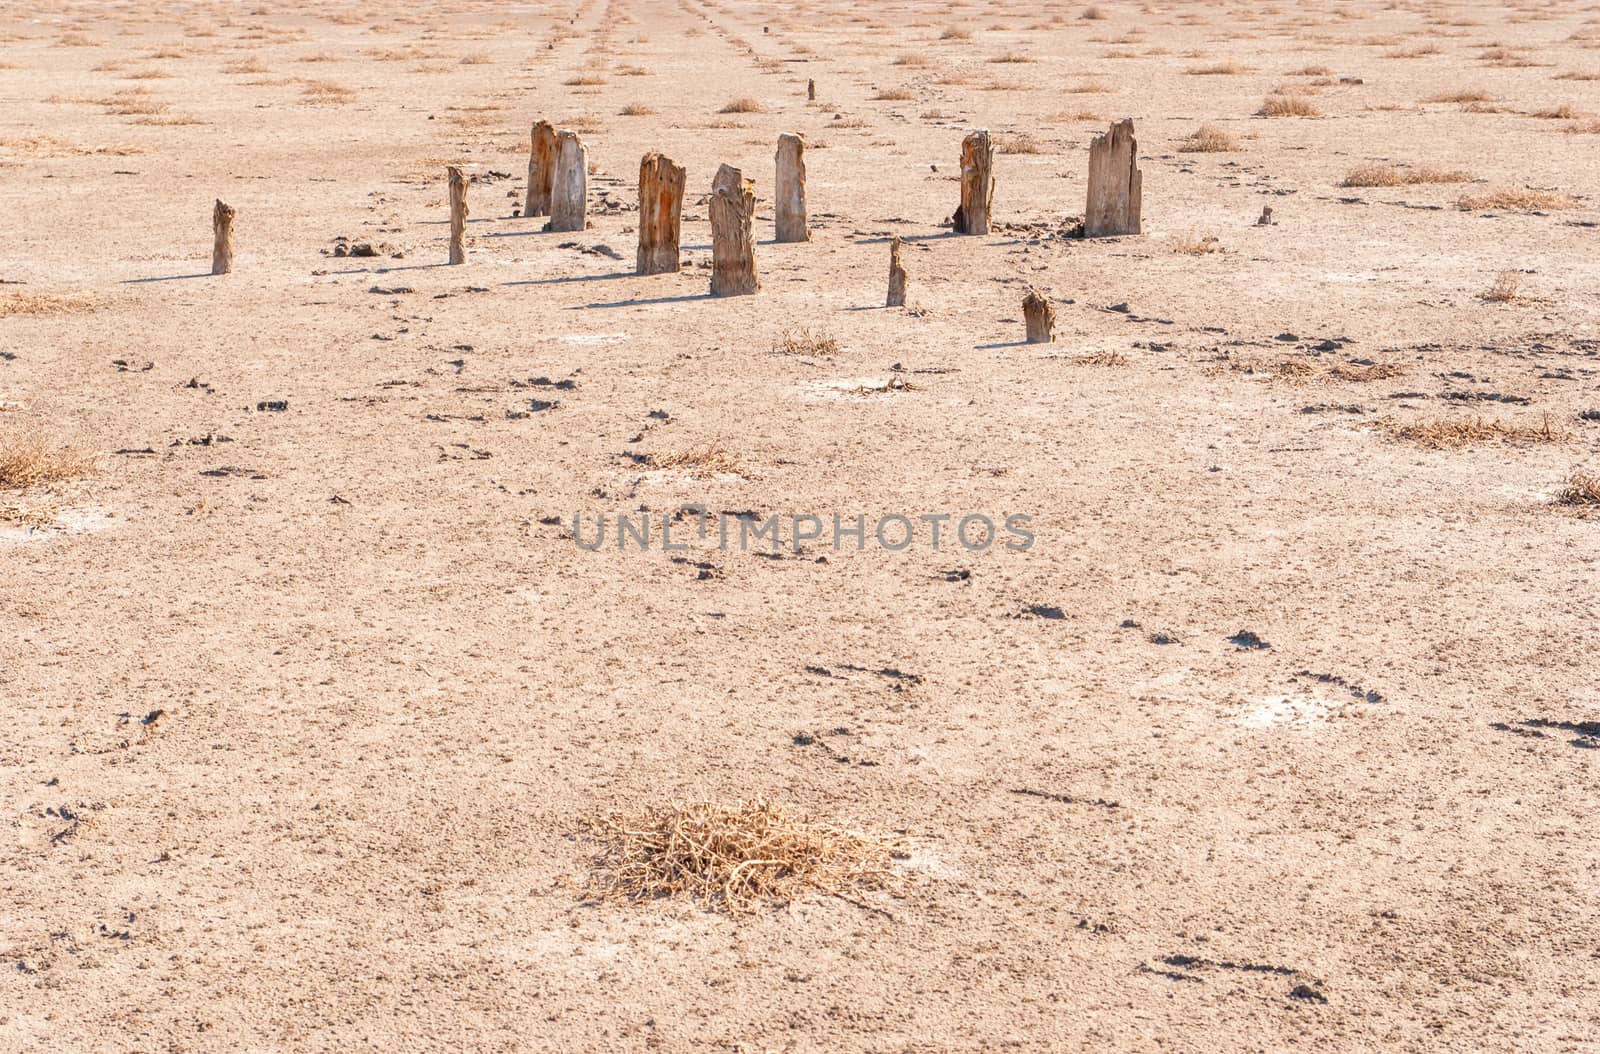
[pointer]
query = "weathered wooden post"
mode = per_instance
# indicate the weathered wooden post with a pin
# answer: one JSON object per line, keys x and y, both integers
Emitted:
{"x": 1040, "y": 317}
{"x": 541, "y": 169}
{"x": 977, "y": 184}
{"x": 569, "y": 192}
{"x": 1115, "y": 184}
{"x": 790, "y": 210}
{"x": 733, "y": 243}
{"x": 458, "y": 215}
{"x": 811, "y": 90}
{"x": 660, "y": 213}
{"x": 222, "y": 237}
{"x": 897, "y": 276}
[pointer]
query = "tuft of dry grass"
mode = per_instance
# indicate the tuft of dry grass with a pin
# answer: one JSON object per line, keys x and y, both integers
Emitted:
{"x": 956, "y": 33}
{"x": 1227, "y": 68}
{"x": 1507, "y": 288}
{"x": 743, "y": 104}
{"x": 1516, "y": 201}
{"x": 1564, "y": 112}
{"x": 806, "y": 342}
{"x": 1376, "y": 175}
{"x": 1197, "y": 245}
{"x": 1589, "y": 127}
{"x": 1013, "y": 56}
{"x": 584, "y": 80}
{"x": 701, "y": 462}
{"x": 44, "y": 303}
{"x": 1208, "y": 139}
{"x": 1461, "y": 95}
{"x": 1312, "y": 71}
{"x": 1021, "y": 143}
{"x": 326, "y": 93}
{"x": 27, "y": 459}
{"x": 250, "y": 65}
{"x": 636, "y": 109}
{"x": 732, "y": 856}
{"x": 1587, "y": 75}
{"x": 1101, "y": 358}
{"x": 1288, "y": 106}
{"x": 1304, "y": 369}
{"x": 1453, "y": 433}
{"x": 1579, "y": 488}
{"x": 895, "y": 95}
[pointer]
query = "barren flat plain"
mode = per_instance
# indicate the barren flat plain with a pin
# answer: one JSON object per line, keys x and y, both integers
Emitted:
{"x": 323, "y": 732}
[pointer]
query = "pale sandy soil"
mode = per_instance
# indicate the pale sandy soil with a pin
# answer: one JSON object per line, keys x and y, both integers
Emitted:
{"x": 299, "y": 726}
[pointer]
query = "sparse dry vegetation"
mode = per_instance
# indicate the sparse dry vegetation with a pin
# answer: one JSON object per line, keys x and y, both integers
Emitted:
{"x": 1514, "y": 200}
{"x": 733, "y": 856}
{"x": 701, "y": 462}
{"x": 1379, "y": 175}
{"x": 743, "y": 104}
{"x": 28, "y": 459}
{"x": 1196, "y": 245}
{"x": 1208, "y": 139}
{"x": 1452, "y": 433}
{"x": 1288, "y": 106}
{"x": 806, "y": 342}
{"x": 1506, "y": 289}
{"x": 1580, "y": 488}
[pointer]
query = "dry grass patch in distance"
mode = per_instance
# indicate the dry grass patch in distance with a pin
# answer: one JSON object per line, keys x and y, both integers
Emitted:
{"x": 1453, "y": 433}
{"x": 1379, "y": 175}
{"x": 743, "y": 104}
{"x": 28, "y": 459}
{"x": 701, "y": 462}
{"x": 1208, "y": 139}
{"x": 1516, "y": 200}
{"x": 806, "y": 342}
{"x": 1288, "y": 106}
{"x": 1580, "y": 488}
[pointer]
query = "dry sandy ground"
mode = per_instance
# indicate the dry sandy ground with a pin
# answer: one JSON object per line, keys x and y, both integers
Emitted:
{"x": 300, "y": 719}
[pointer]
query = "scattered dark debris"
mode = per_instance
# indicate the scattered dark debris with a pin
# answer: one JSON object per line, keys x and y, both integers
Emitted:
{"x": 564, "y": 385}
{"x": 959, "y": 575}
{"x": 225, "y": 471}
{"x": 396, "y": 290}
{"x": 1588, "y": 732}
{"x": 1333, "y": 408}
{"x": 1246, "y": 640}
{"x": 1065, "y": 799}
{"x": 209, "y": 439}
{"x": 276, "y": 406}
{"x": 134, "y": 451}
{"x": 1488, "y": 397}
{"x": 1163, "y": 637}
{"x": 1306, "y": 993}
{"x": 704, "y": 569}
{"x": 1045, "y": 611}
{"x": 1354, "y": 689}
{"x": 125, "y": 366}
{"x": 816, "y": 739}
{"x": 198, "y": 385}
{"x": 1128, "y": 623}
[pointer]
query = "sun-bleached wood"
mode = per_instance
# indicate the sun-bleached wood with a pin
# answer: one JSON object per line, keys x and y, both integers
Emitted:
{"x": 458, "y": 215}
{"x": 733, "y": 243}
{"x": 541, "y": 169}
{"x": 1115, "y": 184}
{"x": 569, "y": 191}
{"x": 897, "y": 276}
{"x": 790, "y": 190}
{"x": 1040, "y": 317}
{"x": 977, "y": 184}
{"x": 222, "y": 237}
{"x": 660, "y": 214}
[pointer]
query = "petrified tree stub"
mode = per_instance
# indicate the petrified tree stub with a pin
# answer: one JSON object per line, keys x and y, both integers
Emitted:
{"x": 222, "y": 237}
{"x": 1115, "y": 184}
{"x": 897, "y": 276}
{"x": 791, "y": 189}
{"x": 977, "y": 184}
{"x": 569, "y": 192}
{"x": 458, "y": 215}
{"x": 660, "y": 213}
{"x": 1040, "y": 317}
{"x": 541, "y": 169}
{"x": 733, "y": 243}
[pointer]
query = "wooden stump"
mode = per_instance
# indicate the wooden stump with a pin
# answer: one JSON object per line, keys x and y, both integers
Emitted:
{"x": 790, "y": 209}
{"x": 733, "y": 242}
{"x": 458, "y": 215}
{"x": 977, "y": 184}
{"x": 1114, "y": 183}
{"x": 222, "y": 237}
{"x": 569, "y": 191}
{"x": 811, "y": 90}
{"x": 541, "y": 169}
{"x": 660, "y": 213}
{"x": 897, "y": 276}
{"x": 1040, "y": 316}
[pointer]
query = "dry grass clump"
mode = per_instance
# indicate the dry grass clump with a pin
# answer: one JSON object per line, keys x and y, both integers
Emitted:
{"x": 1375, "y": 175}
{"x": 1420, "y": 51}
{"x": 743, "y": 104}
{"x": 1507, "y": 288}
{"x": 1093, "y": 13}
{"x": 1461, "y": 95}
{"x": 1589, "y": 127}
{"x": 1590, "y": 75}
{"x": 44, "y": 303}
{"x": 1564, "y": 112}
{"x": 1288, "y": 106}
{"x": 1208, "y": 139}
{"x": 1450, "y": 434}
{"x": 956, "y": 33}
{"x": 1228, "y": 68}
{"x": 29, "y": 460}
{"x": 636, "y": 109}
{"x": 327, "y": 93}
{"x": 1516, "y": 201}
{"x": 1579, "y": 488}
{"x": 806, "y": 342}
{"x": 700, "y": 462}
{"x": 895, "y": 95}
{"x": 1193, "y": 245}
{"x": 1013, "y": 56}
{"x": 1101, "y": 358}
{"x": 250, "y": 65}
{"x": 1312, "y": 71}
{"x": 732, "y": 857}
{"x": 1303, "y": 369}
{"x": 584, "y": 80}
{"x": 1020, "y": 143}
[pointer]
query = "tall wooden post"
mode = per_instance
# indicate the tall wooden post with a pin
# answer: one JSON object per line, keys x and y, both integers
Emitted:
{"x": 733, "y": 243}
{"x": 222, "y": 237}
{"x": 790, "y": 192}
{"x": 660, "y": 214}
{"x": 541, "y": 169}
{"x": 977, "y": 184}
{"x": 569, "y": 192}
{"x": 897, "y": 276}
{"x": 1115, "y": 183}
{"x": 458, "y": 215}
